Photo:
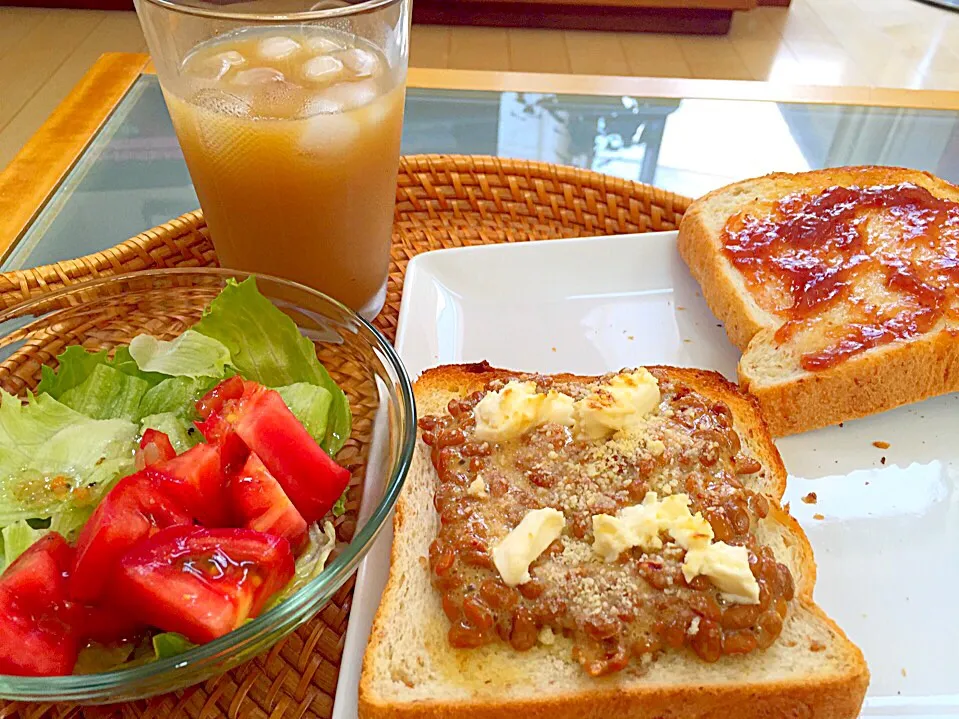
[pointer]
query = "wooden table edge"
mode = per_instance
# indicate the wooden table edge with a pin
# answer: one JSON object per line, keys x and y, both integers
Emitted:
{"x": 40, "y": 166}
{"x": 680, "y": 88}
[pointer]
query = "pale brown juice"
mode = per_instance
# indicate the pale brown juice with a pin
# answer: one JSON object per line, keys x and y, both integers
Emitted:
{"x": 292, "y": 141}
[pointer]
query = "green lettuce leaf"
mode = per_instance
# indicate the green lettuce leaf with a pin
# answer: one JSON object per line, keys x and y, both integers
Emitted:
{"x": 95, "y": 658}
{"x": 266, "y": 346}
{"x": 311, "y": 405}
{"x": 107, "y": 393}
{"x": 240, "y": 331}
{"x": 17, "y": 538}
{"x": 170, "y": 644}
{"x": 177, "y": 429}
{"x": 54, "y": 459}
{"x": 339, "y": 508}
{"x": 192, "y": 354}
{"x": 123, "y": 361}
{"x": 177, "y": 395}
{"x": 76, "y": 365}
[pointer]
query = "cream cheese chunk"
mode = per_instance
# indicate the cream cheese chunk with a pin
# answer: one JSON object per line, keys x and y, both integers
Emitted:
{"x": 518, "y": 408}
{"x": 530, "y": 538}
{"x": 641, "y": 524}
{"x": 619, "y": 406}
{"x": 727, "y": 567}
{"x": 687, "y": 530}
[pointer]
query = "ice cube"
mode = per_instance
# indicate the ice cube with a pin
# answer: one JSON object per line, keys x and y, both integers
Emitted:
{"x": 221, "y": 102}
{"x": 318, "y": 44}
{"x": 330, "y": 133}
{"x": 322, "y": 69}
{"x": 277, "y": 47}
{"x": 361, "y": 63}
{"x": 231, "y": 58}
{"x": 351, "y": 95}
{"x": 227, "y": 61}
{"x": 214, "y": 68}
{"x": 257, "y": 76}
{"x": 278, "y": 99}
{"x": 320, "y": 105}
{"x": 385, "y": 108}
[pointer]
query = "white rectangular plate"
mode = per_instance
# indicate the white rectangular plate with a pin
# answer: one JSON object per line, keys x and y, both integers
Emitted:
{"x": 885, "y": 527}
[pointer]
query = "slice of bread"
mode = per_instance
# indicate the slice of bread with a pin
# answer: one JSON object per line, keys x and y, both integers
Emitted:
{"x": 410, "y": 671}
{"x": 795, "y": 399}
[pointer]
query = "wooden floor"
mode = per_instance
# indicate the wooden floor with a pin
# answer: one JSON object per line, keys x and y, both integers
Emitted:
{"x": 888, "y": 43}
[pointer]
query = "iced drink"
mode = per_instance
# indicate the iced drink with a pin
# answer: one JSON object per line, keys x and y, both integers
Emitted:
{"x": 292, "y": 140}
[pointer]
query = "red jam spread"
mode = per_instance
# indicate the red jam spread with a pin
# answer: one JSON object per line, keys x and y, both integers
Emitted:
{"x": 812, "y": 252}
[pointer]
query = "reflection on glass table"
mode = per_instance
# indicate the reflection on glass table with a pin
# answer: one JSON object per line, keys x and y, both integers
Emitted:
{"x": 949, "y": 4}
{"x": 132, "y": 176}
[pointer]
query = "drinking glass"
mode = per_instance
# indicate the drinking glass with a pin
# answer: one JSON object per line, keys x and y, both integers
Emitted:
{"x": 289, "y": 114}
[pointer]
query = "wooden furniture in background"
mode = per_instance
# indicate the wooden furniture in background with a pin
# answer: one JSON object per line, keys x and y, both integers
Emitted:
{"x": 694, "y": 17}
{"x": 72, "y": 4}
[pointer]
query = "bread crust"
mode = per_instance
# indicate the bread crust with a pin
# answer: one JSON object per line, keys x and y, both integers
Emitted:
{"x": 879, "y": 379}
{"x": 876, "y": 381}
{"x": 839, "y": 696}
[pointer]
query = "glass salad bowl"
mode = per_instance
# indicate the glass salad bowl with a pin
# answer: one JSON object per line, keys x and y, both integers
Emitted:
{"x": 106, "y": 313}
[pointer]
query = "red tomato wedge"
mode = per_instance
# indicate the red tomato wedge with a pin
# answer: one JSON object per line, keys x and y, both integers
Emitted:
{"x": 202, "y": 582}
{"x": 133, "y": 510}
{"x": 215, "y": 425}
{"x": 155, "y": 446}
{"x": 218, "y": 432}
{"x": 259, "y": 503}
{"x": 264, "y": 424}
{"x": 229, "y": 389}
{"x": 104, "y": 624}
{"x": 28, "y": 575}
{"x": 36, "y": 636}
{"x": 194, "y": 480}
{"x": 310, "y": 478}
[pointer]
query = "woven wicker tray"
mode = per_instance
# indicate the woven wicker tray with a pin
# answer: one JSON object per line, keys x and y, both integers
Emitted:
{"x": 442, "y": 201}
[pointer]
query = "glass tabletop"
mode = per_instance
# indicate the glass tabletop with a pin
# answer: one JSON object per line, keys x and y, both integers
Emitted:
{"x": 132, "y": 176}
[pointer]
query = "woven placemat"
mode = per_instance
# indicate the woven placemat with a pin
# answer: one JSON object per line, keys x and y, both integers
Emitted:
{"x": 442, "y": 201}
